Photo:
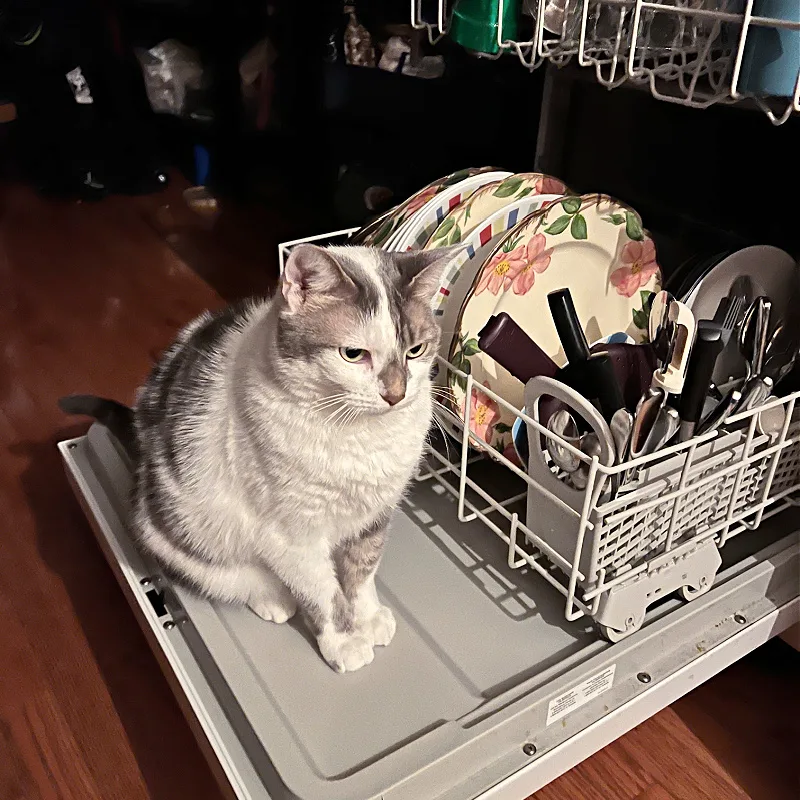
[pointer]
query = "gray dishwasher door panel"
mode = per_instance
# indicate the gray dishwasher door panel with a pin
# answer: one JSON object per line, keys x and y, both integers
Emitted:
{"x": 480, "y": 651}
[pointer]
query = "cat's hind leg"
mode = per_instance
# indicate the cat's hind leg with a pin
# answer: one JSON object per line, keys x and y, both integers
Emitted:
{"x": 252, "y": 584}
{"x": 272, "y": 601}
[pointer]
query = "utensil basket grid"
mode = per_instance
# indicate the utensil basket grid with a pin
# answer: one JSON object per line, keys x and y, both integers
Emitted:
{"x": 612, "y": 558}
{"x": 688, "y": 52}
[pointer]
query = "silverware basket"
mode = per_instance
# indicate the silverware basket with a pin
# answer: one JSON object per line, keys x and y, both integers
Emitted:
{"x": 614, "y": 554}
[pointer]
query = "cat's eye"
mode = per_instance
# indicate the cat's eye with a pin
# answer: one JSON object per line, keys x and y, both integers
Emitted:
{"x": 353, "y": 354}
{"x": 417, "y": 350}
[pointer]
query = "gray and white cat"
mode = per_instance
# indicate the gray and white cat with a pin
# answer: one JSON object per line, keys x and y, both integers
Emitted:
{"x": 274, "y": 440}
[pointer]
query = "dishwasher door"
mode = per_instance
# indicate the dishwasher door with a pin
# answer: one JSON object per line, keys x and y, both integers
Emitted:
{"x": 486, "y": 691}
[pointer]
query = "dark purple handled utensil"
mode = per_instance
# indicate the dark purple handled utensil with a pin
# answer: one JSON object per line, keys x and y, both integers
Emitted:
{"x": 514, "y": 350}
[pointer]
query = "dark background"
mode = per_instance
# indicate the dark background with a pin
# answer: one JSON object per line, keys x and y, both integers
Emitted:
{"x": 703, "y": 180}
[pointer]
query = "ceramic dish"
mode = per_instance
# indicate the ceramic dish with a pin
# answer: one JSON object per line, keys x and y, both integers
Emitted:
{"x": 593, "y": 245}
{"x": 691, "y": 272}
{"x": 772, "y": 272}
{"x": 460, "y": 274}
{"x": 478, "y": 246}
{"x": 419, "y": 226}
{"x": 379, "y": 230}
{"x": 486, "y": 201}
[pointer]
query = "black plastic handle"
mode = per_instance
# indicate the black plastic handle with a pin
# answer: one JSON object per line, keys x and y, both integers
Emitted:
{"x": 569, "y": 328}
{"x": 596, "y": 381}
{"x": 708, "y": 344}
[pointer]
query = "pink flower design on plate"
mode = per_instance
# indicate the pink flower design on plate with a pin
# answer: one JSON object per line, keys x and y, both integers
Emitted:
{"x": 537, "y": 260}
{"x": 500, "y": 272}
{"x": 420, "y": 200}
{"x": 484, "y": 413}
{"x": 545, "y": 185}
{"x": 639, "y": 260}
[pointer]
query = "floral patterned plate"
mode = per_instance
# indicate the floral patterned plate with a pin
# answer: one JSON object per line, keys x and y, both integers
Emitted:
{"x": 486, "y": 201}
{"x": 418, "y": 228}
{"x": 379, "y": 230}
{"x": 460, "y": 275}
{"x": 593, "y": 245}
{"x": 479, "y": 245}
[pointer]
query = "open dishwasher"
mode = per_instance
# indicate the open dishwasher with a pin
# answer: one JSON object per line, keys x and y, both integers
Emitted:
{"x": 487, "y": 690}
{"x": 533, "y": 626}
{"x": 506, "y": 590}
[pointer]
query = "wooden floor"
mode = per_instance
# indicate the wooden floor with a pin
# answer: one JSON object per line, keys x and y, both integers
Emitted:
{"x": 89, "y": 295}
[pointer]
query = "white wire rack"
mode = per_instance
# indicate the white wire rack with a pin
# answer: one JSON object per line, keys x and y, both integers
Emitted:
{"x": 612, "y": 557}
{"x": 689, "y": 52}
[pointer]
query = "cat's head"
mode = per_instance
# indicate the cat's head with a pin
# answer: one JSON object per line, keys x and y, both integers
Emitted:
{"x": 355, "y": 325}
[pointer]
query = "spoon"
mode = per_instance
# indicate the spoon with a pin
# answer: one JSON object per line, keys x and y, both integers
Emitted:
{"x": 621, "y": 426}
{"x": 721, "y": 411}
{"x": 563, "y": 425}
{"x": 590, "y": 445}
{"x": 647, "y": 413}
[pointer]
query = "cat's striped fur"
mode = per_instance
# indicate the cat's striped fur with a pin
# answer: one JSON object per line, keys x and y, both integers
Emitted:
{"x": 268, "y": 466}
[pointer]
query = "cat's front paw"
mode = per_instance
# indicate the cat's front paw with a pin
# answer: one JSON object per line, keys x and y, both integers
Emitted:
{"x": 346, "y": 652}
{"x": 380, "y": 627}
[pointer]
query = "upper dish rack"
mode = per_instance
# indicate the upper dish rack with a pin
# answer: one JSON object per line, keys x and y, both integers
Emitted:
{"x": 689, "y": 52}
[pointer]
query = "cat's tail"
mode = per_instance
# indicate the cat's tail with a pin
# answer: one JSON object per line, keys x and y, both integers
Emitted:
{"x": 118, "y": 418}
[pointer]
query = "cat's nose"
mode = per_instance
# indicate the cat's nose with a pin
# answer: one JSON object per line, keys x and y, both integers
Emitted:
{"x": 392, "y": 383}
{"x": 393, "y": 397}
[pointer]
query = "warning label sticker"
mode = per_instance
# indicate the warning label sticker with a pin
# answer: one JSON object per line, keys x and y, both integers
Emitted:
{"x": 581, "y": 694}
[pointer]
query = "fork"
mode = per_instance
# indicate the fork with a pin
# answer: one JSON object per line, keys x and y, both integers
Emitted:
{"x": 734, "y": 314}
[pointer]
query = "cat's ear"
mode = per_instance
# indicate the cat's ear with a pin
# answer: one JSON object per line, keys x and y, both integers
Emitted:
{"x": 423, "y": 269}
{"x": 312, "y": 276}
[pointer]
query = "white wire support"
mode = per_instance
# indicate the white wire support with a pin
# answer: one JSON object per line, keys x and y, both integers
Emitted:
{"x": 687, "y": 52}
{"x": 434, "y": 32}
{"x": 284, "y": 248}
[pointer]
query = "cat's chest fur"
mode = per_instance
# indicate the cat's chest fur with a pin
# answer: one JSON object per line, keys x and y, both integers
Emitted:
{"x": 344, "y": 476}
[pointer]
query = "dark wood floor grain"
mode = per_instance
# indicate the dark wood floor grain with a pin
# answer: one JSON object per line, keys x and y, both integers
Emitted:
{"x": 89, "y": 295}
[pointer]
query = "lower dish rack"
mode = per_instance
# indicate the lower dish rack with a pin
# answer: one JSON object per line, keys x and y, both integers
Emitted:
{"x": 613, "y": 555}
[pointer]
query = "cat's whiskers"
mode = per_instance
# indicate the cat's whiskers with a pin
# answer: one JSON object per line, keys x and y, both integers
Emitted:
{"x": 329, "y": 400}
{"x": 445, "y": 437}
{"x": 338, "y": 419}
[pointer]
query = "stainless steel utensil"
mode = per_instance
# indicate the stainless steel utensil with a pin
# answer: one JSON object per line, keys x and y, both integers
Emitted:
{"x": 666, "y": 424}
{"x": 563, "y": 425}
{"x": 719, "y": 413}
{"x": 590, "y": 445}
{"x": 621, "y": 427}
{"x": 782, "y": 351}
{"x": 654, "y": 425}
{"x": 752, "y": 345}
{"x": 660, "y": 328}
{"x": 738, "y": 299}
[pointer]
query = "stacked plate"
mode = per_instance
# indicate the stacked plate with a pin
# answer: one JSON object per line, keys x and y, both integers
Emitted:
{"x": 523, "y": 235}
